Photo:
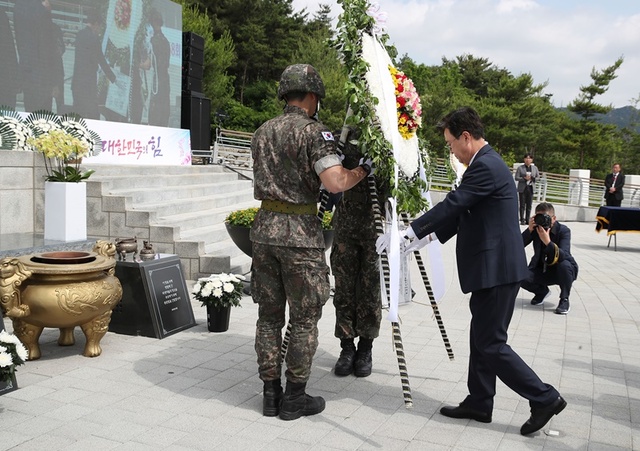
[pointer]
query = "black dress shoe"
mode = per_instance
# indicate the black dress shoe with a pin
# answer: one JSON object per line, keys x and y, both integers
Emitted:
{"x": 463, "y": 411}
{"x": 541, "y": 416}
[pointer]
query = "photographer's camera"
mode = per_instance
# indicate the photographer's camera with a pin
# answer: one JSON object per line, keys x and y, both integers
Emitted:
{"x": 542, "y": 220}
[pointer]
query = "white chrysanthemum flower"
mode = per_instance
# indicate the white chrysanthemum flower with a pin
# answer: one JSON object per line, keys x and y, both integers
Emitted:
{"x": 206, "y": 290}
{"x": 228, "y": 287}
{"x": 6, "y": 337}
{"x": 196, "y": 288}
{"x": 217, "y": 292}
{"x": 22, "y": 352}
{"x": 217, "y": 283}
{"x": 225, "y": 277}
{"x": 5, "y": 359}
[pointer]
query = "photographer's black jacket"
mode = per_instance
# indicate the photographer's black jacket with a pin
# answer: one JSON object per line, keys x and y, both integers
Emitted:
{"x": 559, "y": 249}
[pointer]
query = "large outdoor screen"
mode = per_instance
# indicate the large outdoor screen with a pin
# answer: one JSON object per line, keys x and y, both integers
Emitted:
{"x": 115, "y": 60}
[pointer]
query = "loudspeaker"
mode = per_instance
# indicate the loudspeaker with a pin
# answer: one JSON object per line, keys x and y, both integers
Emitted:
{"x": 193, "y": 54}
{"x": 190, "y": 39}
{"x": 191, "y": 84}
{"x": 196, "y": 116}
{"x": 191, "y": 69}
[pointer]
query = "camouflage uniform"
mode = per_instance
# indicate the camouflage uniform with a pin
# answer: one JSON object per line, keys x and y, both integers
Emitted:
{"x": 354, "y": 260}
{"x": 289, "y": 264}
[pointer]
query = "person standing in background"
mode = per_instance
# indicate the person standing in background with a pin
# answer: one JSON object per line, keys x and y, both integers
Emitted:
{"x": 160, "y": 100}
{"x": 9, "y": 73}
{"x": 36, "y": 45}
{"x": 88, "y": 57}
{"x": 526, "y": 176}
{"x": 613, "y": 184}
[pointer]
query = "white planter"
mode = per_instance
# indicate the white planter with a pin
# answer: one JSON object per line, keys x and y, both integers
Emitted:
{"x": 65, "y": 211}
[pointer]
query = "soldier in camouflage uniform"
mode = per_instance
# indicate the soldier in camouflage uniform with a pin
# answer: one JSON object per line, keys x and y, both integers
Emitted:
{"x": 292, "y": 155}
{"x": 354, "y": 262}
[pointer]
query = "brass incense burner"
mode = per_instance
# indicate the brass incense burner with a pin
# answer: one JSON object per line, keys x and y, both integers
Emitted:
{"x": 62, "y": 290}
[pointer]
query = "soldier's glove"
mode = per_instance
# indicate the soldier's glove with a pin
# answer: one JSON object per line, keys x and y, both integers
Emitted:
{"x": 367, "y": 165}
{"x": 412, "y": 243}
{"x": 383, "y": 241}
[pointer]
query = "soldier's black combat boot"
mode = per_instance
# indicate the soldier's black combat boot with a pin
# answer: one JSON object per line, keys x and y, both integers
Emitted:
{"x": 344, "y": 365}
{"x": 271, "y": 398}
{"x": 363, "y": 363}
{"x": 296, "y": 403}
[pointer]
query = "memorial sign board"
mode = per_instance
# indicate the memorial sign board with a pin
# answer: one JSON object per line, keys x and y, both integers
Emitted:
{"x": 155, "y": 300}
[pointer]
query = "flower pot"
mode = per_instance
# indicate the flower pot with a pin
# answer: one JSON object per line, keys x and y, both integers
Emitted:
{"x": 240, "y": 236}
{"x": 65, "y": 211}
{"x": 218, "y": 318}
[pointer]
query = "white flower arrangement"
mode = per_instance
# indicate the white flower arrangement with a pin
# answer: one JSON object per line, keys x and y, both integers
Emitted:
{"x": 77, "y": 127}
{"x": 12, "y": 354}
{"x": 43, "y": 122}
{"x": 14, "y": 134}
{"x": 219, "y": 290}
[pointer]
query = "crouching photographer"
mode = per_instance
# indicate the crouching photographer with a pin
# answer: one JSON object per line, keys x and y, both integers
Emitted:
{"x": 552, "y": 263}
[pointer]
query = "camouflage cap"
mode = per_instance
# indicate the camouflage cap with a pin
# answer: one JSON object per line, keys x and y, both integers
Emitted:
{"x": 300, "y": 78}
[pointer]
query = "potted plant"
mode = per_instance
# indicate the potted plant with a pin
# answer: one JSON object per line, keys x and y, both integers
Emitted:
{"x": 239, "y": 222}
{"x": 12, "y": 354}
{"x": 63, "y": 141}
{"x": 218, "y": 293}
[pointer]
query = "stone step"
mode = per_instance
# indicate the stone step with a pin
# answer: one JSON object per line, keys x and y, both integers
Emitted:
{"x": 180, "y": 210}
{"x": 114, "y": 183}
{"x": 136, "y": 171}
{"x": 169, "y": 208}
{"x": 178, "y": 192}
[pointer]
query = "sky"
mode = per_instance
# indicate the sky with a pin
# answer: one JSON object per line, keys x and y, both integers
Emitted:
{"x": 556, "y": 41}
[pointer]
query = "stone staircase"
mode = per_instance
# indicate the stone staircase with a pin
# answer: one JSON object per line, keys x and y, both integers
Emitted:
{"x": 179, "y": 209}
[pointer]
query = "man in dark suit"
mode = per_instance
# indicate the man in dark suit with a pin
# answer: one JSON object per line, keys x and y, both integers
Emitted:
{"x": 613, "y": 184}
{"x": 526, "y": 176}
{"x": 88, "y": 57}
{"x": 491, "y": 265}
{"x": 552, "y": 263}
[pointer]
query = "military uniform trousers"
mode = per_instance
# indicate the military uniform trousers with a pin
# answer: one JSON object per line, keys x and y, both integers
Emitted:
{"x": 354, "y": 263}
{"x": 297, "y": 277}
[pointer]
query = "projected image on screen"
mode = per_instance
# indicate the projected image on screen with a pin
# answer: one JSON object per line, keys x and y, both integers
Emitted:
{"x": 117, "y": 60}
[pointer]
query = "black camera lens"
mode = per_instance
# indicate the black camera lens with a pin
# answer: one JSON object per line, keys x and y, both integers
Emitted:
{"x": 543, "y": 220}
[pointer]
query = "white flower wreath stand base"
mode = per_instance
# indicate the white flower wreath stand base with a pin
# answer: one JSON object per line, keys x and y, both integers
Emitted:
{"x": 65, "y": 211}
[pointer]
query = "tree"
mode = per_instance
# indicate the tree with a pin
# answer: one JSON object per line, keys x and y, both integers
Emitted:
{"x": 590, "y": 132}
{"x": 219, "y": 56}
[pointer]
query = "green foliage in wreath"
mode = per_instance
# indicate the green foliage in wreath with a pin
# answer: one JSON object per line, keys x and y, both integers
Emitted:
{"x": 351, "y": 24}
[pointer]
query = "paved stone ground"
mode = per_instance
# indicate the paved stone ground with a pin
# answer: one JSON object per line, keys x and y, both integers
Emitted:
{"x": 197, "y": 390}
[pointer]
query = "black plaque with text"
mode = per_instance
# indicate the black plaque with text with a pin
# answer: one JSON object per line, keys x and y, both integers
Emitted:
{"x": 155, "y": 300}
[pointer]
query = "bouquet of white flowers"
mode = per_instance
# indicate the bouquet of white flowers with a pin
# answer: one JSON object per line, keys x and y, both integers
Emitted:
{"x": 219, "y": 290}
{"x": 14, "y": 134}
{"x": 12, "y": 354}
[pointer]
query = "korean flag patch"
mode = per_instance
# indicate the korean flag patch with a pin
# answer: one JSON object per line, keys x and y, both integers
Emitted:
{"x": 328, "y": 136}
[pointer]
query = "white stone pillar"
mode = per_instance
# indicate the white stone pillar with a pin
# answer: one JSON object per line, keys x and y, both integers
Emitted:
{"x": 579, "y": 187}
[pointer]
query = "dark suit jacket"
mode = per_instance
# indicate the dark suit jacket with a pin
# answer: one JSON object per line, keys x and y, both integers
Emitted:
{"x": 483, "y": 212}
{"x": 558, "y": 250}
{"x": 608, "y": 183}
{"x": 88, "y": 57}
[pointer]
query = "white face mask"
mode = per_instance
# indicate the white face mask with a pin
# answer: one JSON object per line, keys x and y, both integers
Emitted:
{"x": 315, "y": 115}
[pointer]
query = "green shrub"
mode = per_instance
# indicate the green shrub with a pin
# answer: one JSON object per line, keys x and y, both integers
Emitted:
{"x": 244, "y": 218}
